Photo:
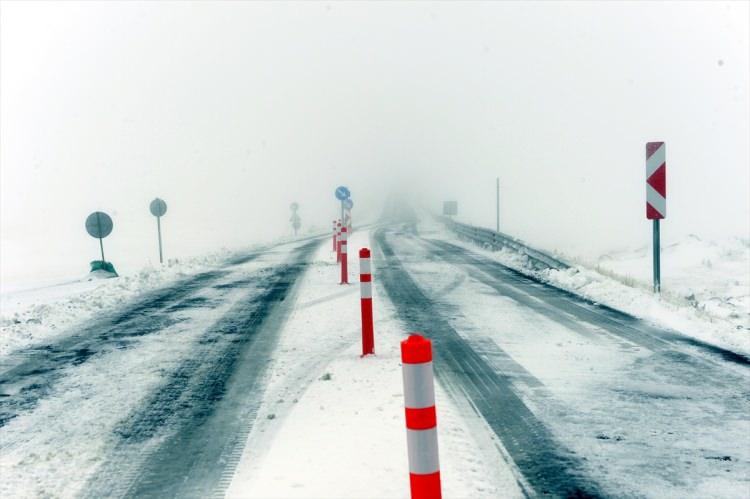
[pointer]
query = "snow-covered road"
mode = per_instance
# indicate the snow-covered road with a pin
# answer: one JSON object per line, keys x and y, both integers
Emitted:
{"x": 245, "y": 380}
{"x": 610, "y": 397}
{"x": 151, "y": 399}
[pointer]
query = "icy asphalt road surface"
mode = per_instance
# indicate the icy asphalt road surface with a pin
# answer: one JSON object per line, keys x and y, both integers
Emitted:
{"x": 586, "y": 400}
{"x": 153, "y": 400}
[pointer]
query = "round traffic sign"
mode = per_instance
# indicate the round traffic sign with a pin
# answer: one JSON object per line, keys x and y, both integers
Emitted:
{"x": 348, "y": 203}
{"x": 98, "y": 224}
{"x": 294, "y": 206}
{"x": 158, "y": 207}
{"x": 342, "y": 193}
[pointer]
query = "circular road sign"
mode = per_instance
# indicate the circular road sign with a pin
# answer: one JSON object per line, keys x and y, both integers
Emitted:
{"x": 98, "y": 224}
{"x": 342, "y": 193}
{"x": 348, "y": 203}
{"x": 294, "y": 206}
{"x": 158, "y": 207}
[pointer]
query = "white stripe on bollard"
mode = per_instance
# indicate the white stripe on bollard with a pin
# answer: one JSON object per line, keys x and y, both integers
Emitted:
{"x": 423, "y": 451}
{"x": 419, "y": 389}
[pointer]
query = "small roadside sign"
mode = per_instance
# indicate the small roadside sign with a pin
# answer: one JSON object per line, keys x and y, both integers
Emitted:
{"x": 342, "y": 193}
{"x": 158, "y": 208}
{"x": 656, "y": 199}
{"x": 99, "y": 225}
{"x": 450, "y": 208}
{"x": 656, "y": 180}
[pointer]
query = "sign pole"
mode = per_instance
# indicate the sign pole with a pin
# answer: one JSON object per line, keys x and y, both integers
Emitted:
{"x": 497, "y": 205}
{"x": 657, "y": 258}
{"x": 101, "y": 246}
{"x": 158, "y": 229}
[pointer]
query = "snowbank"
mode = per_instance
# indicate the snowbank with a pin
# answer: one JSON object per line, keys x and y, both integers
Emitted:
{"x": 712, "y": 276}
{"x": 705, "y": 285}
{"x": 29, "y": 316}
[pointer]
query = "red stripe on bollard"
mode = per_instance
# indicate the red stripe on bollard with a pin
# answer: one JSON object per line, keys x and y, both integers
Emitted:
{"x": 427, "y": 485}
{"x": 344, "y": 258}
{"x": 421, "y": 420}
{"x": 365, "y": 289}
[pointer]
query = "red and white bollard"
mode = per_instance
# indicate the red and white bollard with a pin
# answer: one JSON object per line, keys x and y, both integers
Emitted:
{"x": 365, "y": 289}
{"x": 334, "y": 235}
{"x": 421, "y": 420}
{"x": 339, "y": 226}
{"x": 344, "y": 268}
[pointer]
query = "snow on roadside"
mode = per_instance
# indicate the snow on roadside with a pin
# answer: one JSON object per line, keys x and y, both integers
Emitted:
{"x": 712, "y": 276}
{"x": 732, "y": 333}
{"x": 332, "y": 424}
{"x": 29, "y": 316}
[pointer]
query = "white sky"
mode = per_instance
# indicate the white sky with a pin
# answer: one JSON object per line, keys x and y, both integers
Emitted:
{"x": 230, "y": 111}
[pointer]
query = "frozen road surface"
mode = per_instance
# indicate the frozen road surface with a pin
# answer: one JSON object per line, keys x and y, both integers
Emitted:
{"x": 245, "y": 381}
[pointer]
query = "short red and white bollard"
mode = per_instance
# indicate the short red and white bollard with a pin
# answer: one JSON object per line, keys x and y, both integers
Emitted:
{"x": 334, "y": 235}
{"x": 338, "y": 241}
{"x": 421, "y": 420}
{"x": 344, "y": 268}
{"x": 365, "y": 289}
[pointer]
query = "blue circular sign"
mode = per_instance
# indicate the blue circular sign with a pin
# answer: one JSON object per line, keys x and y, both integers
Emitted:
{"x": 342, "y": 193}
{"x": 348, "y": 203}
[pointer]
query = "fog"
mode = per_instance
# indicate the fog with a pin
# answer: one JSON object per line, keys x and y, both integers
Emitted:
{"x": 231, "y": 111}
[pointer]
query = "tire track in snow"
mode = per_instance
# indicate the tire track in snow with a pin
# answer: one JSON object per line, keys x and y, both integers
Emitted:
{"x": 186, "y": 440}
{"x": 28, "y": 375}
{"x": 547, "y": 467}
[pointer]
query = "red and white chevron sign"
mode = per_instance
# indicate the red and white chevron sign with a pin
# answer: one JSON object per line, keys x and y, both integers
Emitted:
{"x": 656, "y": 180}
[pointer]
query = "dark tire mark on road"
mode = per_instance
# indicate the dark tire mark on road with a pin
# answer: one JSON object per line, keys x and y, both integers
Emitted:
{"x": 179, "y": 442}
{"x": 546, "y": 465}
{"x": 28, "y": 375}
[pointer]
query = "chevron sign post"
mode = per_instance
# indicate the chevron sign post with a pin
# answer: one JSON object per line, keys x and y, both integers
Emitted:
{"x": 656, "y": 197}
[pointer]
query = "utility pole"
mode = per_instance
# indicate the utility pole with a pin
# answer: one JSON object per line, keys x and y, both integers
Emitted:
{"x": 497, "y": 205}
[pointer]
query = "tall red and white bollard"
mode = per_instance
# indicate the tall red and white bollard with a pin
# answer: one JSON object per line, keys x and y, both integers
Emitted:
{"x": 344, "y": 267}
{"x": 365, "y": 289}
{"x": 338, "y": 241}
{"x": 334, "y": 235}
{"x": 421, "y": 420}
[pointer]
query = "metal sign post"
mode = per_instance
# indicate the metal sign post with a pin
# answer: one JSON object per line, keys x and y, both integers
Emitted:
{"x": 656, "y": 199}
{"x": 99, "y": 225}
{"x": 497, "y": 205}
{"x": 158, "y": 208}
{"x": 295, "y": 217}
{"x": 348, "y": 205}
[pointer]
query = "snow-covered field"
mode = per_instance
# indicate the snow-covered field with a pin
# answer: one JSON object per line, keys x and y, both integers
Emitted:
{"x": 711, "y": 276}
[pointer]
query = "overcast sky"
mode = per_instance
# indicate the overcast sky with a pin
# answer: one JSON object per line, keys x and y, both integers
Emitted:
{"x": 230, "y": 111}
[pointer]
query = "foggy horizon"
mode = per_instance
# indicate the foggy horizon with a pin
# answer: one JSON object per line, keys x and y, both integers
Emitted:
{"x": 231, "y": 111}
